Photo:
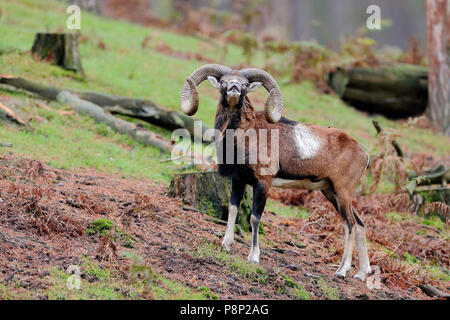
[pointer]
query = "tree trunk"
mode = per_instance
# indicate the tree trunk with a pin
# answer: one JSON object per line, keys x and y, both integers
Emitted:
{"x": 58, "y": 48}
{"x": 438, "y": 26}
{"x": 210, "y": 193}
{"x": 396, "y": 91}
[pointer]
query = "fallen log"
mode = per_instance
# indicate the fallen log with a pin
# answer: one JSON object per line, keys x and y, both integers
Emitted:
{"x": 438, "y": 175}
{"x": 88, "y": 108}
{"x": 125, "y": 127}
{"x": 396, "y": 90}
{"x": 142, "y": 109}
{"x": 45, "y": 92}
{"x": 432, "y": 291}
{"x": 145, "y": 110}
{"x": 426, "y": 197}
{"x": 210, "y": 193}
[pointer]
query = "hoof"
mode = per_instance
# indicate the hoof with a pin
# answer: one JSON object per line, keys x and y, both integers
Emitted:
{"x": 253, "y": 259}
{"x": 341, "y": 272}
{"x": 226, "y": 245}
{"x": 360, "y": 276}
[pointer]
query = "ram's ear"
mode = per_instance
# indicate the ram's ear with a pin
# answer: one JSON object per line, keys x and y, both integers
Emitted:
{"x": 254, "y": 86}
{"x": 213, "y": 82}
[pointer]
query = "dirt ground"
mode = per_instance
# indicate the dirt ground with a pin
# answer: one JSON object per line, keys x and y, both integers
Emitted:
{"x": 45, "y": 214}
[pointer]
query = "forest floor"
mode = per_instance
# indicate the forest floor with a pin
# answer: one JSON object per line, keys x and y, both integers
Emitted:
{"x": 111, "y": 228}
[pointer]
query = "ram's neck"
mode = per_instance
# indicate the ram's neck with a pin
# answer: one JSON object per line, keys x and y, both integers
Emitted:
{"x": 242, "y": 118}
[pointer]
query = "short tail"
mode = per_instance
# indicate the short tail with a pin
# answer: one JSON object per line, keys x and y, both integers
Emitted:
{"x": 367, "y": 165}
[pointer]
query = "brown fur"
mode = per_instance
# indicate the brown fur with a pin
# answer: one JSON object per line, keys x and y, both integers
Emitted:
{"x": 342, "y": 159}
{"x": 335, "y": 166}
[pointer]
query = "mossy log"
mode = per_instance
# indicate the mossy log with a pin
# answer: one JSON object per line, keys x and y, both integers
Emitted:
{"x": 141, "y": 135}
{"x": 210, "y": 193}
{"x": 395, "y": 91}
{"x": 58, "y": 48}
{"x": 438, "y": 175}
{"x": 145, "y": 110}
{"x": 427, "y": 198}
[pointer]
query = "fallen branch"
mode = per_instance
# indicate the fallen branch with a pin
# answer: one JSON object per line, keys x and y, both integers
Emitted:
{"x": 119, "y": 125}
{"x": 142, "y": 109}
{"x": 432, "y": 291}
{"x": 49, "y": 93}
{"x": 137, "y": 133}
{"x": 8, "y": 114}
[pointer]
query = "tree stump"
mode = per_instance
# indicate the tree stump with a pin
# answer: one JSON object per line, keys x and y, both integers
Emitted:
{"x": 210, "y": 193}
{"x": 58, "y": 48}
{"x": 395, "y": 91}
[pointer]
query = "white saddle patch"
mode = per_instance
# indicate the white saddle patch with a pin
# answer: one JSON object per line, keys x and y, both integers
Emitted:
{"x": 304, "y": 184}
{"x": 307, "y": 143}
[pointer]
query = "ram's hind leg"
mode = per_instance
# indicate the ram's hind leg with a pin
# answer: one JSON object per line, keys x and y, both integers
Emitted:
{"x": 259, "y": 202}
{"x": 237, "y": 192}
{"x": 361, "y": 246}
{"x": 343, "y": 206}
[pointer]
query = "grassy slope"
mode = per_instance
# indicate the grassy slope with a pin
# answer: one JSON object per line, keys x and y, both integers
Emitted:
{"x": 125, "y": 68}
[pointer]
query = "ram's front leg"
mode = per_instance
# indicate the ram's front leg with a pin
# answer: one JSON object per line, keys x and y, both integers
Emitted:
{"x": 237, "y": 192}
{"x": 259, "y": 202}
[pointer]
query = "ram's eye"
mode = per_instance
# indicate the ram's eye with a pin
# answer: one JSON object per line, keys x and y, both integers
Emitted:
{"x": 247, "y": 84}
{"x": 222, "y": 82}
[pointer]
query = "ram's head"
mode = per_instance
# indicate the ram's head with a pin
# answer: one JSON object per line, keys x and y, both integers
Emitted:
{"x": 233, "y": 87}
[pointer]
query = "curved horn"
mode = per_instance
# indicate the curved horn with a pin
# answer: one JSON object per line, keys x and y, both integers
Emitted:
{"x": 273, "y": 109}
{"x": 189, "y": 96}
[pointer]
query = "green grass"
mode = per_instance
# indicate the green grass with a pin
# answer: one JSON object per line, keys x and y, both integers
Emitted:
{"x": 329, "y": 291}
{"x": 79, "y": 142}
{"x": 437, "y": 272}
{"x": 231, "y": 263}
{"x": 294, "y": 289}
{"x": 101, "y": 225}
{"x": 399, "y": 216}
{"x": 433, "y": 221}
{"x": 100, "y": 283}
{"x": 106, "y": 284}
{"x": 286, "y": 211}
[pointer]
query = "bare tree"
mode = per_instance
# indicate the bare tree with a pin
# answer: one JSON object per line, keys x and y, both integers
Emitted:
{"x": 438, "y": 26}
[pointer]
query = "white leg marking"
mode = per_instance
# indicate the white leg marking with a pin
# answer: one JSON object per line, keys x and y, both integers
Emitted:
{"x": 254, "y": 254}
{"x": 363, "y": 257}
{"x": 303, "y": 184}
{"x": 229, "y": 233}
{"x": 348, "y": 251}
{"x": 254, "y": 251}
